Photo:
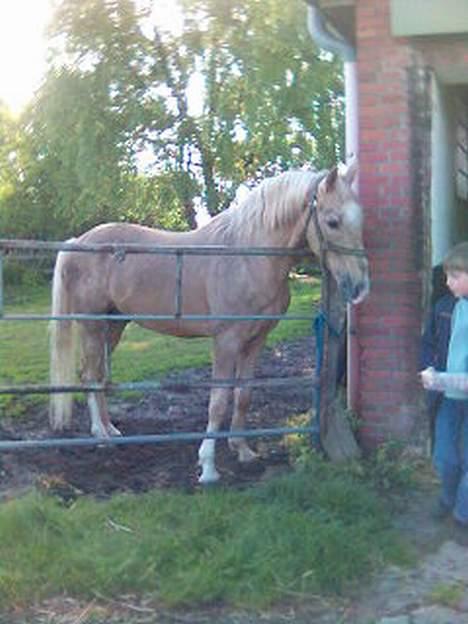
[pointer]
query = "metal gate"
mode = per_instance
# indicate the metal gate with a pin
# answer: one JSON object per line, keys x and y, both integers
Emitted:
{"x": 328, "y": 326}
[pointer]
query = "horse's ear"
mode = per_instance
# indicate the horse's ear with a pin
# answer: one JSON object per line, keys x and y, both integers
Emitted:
{"x": 330, "y": 180}
{"x": 351, "y": 171}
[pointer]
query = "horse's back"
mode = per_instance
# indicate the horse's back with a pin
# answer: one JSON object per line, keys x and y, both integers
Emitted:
{"x": 142, "y": 283}
{"x": 153, "y": 284}
{"x": 127, "y": 233}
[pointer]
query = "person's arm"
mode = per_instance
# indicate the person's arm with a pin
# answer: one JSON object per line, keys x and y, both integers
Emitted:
{"x": 435, "y": 380}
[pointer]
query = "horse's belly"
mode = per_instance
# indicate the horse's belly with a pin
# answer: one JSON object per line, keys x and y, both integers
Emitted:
{"x": 182, "y": 328}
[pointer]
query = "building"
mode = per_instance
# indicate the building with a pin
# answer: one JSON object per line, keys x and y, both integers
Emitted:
{"x": 411, "y": 59}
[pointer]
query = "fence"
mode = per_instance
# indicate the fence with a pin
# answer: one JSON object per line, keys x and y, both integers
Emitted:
{"x": 328, "y": 341}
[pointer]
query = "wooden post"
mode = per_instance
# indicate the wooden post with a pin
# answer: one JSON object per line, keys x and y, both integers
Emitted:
{"x": 336, "y": 436}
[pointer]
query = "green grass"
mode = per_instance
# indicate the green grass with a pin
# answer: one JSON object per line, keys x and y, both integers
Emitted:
{"x": 315, "y": 530}
{"x": 447, "y": 594}
{"x": 24, "y": 349}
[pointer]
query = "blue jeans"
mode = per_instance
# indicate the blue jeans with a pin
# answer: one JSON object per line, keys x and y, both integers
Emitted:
{"x": 451, "y": 456}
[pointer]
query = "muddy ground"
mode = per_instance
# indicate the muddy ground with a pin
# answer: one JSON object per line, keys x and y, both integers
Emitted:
{"x": 181, "y": 408}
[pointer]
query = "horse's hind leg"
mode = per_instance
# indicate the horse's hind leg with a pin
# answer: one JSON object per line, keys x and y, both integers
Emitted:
{"x": 242, "y": 395}
{"x": 98, "y": 339}
{"x": 223, "y": 368}
{"x": 114, "y": 333}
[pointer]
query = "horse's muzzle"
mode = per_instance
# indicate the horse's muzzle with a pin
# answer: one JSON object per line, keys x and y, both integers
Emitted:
{"x": 353, "y": 292}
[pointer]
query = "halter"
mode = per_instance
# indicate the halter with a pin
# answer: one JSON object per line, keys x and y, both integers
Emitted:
{"x": 324, "y": 244}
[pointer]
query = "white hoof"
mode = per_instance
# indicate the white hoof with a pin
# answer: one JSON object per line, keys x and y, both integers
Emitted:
{"x": 206, "y": 459}
{"x": 209, "y": 475}
{"x": 113, "y": 431}
{"x": 99, "y": 432}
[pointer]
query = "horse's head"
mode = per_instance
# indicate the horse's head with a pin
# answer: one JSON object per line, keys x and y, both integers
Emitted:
{"x": 334, "y": 233}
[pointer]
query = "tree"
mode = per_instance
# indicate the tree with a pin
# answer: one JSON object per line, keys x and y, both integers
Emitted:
{"x": 8, "y": 143}
{"x": 115, "y": 97}
{"x": 271, "y": 101}
{"x": 19, "y": 214}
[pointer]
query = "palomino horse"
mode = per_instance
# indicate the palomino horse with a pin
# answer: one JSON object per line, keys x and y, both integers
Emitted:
{"x": 289, "y": 211}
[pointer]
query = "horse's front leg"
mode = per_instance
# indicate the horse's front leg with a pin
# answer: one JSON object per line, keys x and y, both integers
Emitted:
{"x": 224, "y": 358}
{"x": 245, "y": 368}
{"x": 242, "y": 397}
{"x": 219, "y": 398}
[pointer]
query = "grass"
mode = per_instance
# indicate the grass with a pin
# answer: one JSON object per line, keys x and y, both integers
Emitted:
{"x": 315, "y": 530}
{"x": 24, "y": 349}
{"x": 447, "y": 594}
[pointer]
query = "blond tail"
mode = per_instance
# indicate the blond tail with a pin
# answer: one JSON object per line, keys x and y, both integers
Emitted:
{"x": 62, "y": 341}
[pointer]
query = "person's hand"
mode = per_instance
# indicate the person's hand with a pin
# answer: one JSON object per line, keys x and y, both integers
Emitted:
{"x": 428, "y": 377}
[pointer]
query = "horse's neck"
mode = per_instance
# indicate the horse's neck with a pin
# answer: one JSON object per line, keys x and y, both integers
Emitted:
{"x": 288, "y": 236}
{"x": 221, "y": 230}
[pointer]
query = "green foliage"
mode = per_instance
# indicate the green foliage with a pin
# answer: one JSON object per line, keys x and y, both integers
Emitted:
{"x": 308, "y": 532}
{"x": 447, "y": 594}
{"x": 19, "y": 212}
{"x": 157, "y": 201}
{"x": 8, "y": 143}
{"x": 271, "y": 101}
{"x": 391, "y": 467}
{"x": 115, "y": 98}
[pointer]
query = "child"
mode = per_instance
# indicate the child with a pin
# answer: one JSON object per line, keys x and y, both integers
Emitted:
{"x": 435, "y": 339}
{"x": 451, "y": 427}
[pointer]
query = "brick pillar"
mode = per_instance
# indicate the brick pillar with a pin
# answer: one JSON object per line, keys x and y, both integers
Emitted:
{"x": 389, "y": 322}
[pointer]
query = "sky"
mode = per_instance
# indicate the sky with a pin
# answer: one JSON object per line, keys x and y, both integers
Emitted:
{"x": 23, "y": 45}
{"x": 22, "y": 49}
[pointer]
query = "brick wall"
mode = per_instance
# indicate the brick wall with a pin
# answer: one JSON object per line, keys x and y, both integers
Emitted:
{"x": 389, "y": 322}
{"x": 394, "y": 188}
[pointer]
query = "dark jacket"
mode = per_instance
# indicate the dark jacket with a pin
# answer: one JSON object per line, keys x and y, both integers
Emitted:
{"x": 435, "y": 341}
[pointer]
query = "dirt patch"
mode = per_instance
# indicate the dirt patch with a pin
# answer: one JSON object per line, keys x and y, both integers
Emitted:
{"x": 108, "y": 470}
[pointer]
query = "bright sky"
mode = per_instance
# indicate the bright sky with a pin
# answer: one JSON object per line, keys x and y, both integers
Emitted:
{"x": 22, "y": 49}
{"x": 23, "y": 46}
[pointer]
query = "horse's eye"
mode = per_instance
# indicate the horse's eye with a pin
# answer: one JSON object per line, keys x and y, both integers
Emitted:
{"x": 333, "y": 223}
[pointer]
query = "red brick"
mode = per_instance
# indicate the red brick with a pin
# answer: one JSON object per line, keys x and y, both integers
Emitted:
{"x": 388, "y": 324}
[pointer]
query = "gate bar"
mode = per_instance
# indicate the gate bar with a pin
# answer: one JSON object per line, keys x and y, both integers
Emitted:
{"x": 155, "y": 385}
{"x": 1, "y": 282}
{"x": 119, "y": 248}
{"x": 151, "y": 438}
{"x": 157, "y": 317}
{"x": 178, "y": 295}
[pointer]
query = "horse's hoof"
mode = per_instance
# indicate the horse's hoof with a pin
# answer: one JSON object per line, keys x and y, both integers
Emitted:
{"x": 99, "y": 433}
{"x": 209, "y": 485}
{"x": 247, "y": 456}
{"x": 209, "y": 476}
{"x": 113, "y": 431}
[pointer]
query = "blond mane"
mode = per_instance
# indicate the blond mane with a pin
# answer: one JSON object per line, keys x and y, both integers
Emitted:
{"x": 275, "y": 203}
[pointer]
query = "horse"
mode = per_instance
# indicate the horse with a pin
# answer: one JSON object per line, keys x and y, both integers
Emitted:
{"x": 297, "y": 208}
